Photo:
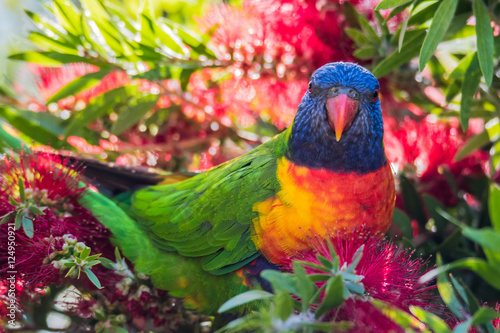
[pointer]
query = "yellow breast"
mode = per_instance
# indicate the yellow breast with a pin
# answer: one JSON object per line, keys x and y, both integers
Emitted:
{"x": 314, "y": 203}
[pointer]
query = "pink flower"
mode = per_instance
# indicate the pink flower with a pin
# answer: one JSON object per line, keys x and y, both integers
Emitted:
{"x": 389, "y": 272}
{"x": 424, "y": 147}
{"x": 54, "y": 188}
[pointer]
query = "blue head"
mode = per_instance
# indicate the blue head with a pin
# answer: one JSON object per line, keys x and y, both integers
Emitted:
{"x": 338, "y": 125}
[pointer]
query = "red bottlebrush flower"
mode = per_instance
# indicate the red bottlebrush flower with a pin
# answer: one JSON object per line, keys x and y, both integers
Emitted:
{"x": 390, "y": 274}
{"x": 425, "y": 147}
{"x": 54, "y": 188}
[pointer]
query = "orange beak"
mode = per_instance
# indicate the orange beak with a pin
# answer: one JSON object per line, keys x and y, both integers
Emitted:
{"x": 341, "y": 111}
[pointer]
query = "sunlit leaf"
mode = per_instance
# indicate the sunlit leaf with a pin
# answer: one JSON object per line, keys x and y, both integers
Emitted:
{"x": 79, "y": 84}
{"x": 409, "y": 50}
{"x": 388, "y": 4}
{"x": 469, "y": 88}
{"x": 430, "y": 319}
{"x": 333, "y": 297}
{"x": 133, "y": 112}
{"x": 484, "y": 36}
{"x": 28, "y": 226}
{"x": 244, "y": 298}
{"x": 437, "y": 30}
{"x": 92, "y": 277}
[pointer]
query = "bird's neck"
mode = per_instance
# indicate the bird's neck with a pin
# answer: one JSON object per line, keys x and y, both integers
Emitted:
{"x": 312, "y": 143}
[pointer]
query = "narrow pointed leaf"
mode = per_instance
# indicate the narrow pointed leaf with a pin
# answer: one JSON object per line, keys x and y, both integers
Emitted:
{"x": 244, "y": 298}
{"x": 388, "y": 4}
{"x": 430, "y": 319}
{"x": 469, "y": 88}
{"x": 133, "y": 112}
{"x": 85, "y": 253}
{"x": 79, "y": 84}
{"x": 92, "y": 277}
{"x": 22, "y": 194}
{"x": 333, "y": 296}
{"x": 18, "y": 220}
{"x": 484, "y": 35}
{"x": 437, "y": 30}
{"x": 28, "y": 226}
{"x": 494, "y": 206}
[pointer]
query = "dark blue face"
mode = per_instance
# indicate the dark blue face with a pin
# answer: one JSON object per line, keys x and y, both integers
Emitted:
{"x": 317, "y": 141}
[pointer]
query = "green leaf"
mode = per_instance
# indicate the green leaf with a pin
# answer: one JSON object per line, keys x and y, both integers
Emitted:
{"x": 357, "y": 36}
{"x": 51, "y": 44}
{"x": 430, "y": 319}
{"x": 368, "y": 29}
{"x": 485, "y": 237}
{"x": 402, "y": 31}
{"x": 79, "y": 84}
{"x": 92, "y": 277}
{"x": 484, "y": 315}
{"x": 494, "y": 206}
{"x": 469, "y": 88}
{"x": 479, "y": 266}
{"x": 280, "y": 280}
{"x": 18, "y": 220}
{"x": 6, "y": 218}
{"x": 68, "y": 15}
{"x": 71, "y": 270}
{"x": 118, "y": 329}
{"x": 133, "y": 112}
{"x": 49, "y": 59}
{"x": 409, "y": 50}
{"x": 29, "y": 126}
{"x": 12, "y": 201}
{"x": 367, "y": 52}
{"x": 437, "y": 30}
{"x": 244, "y": 298}
{"x": 69, "y": 264}
{"x": 403, "y": 222}
{"x": 36, "y": 210}
{"x": 447, "y": 292}
{"x": 11, "y": 141}
{"x": 306, "y": 288}
{"x": 412, "y": 201}
{"x": 117, "y": 254}
{"x": 28, "y": 226}
{"x": 400, "y": 317}
{"x": 433, "y": 205}
{"x": 92, "y": 263}
{"x": 97, "y": 107}
{"x": 22, "y": 194}
{"x": 283, "y": 305}
{"x": 461, "y": 69}
{"x": 95, "y": 256}
{"x": 473, "y": 144}
{"x": 107, "y": 263}
{"x": 388, "y": 4}
{"x": 85, "y": 253}
{"x": 333, "y": 296}
{"x": 484, "y": 36}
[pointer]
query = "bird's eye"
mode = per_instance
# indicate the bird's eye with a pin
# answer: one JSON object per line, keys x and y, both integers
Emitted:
{"x": 375, "y": 94}
{"x": 310, "y": 87}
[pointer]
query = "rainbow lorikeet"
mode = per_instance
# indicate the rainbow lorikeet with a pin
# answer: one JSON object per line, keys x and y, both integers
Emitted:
{"x": 204, "y": 237}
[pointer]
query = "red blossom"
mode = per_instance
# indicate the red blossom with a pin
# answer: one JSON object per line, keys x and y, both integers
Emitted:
{"x": 390, "y": 274}
{"x": 424, "y": 147}
{"x": 53, "y": 187}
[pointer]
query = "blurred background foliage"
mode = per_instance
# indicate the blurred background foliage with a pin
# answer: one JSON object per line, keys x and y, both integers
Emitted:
{"x": 186, "y": 85}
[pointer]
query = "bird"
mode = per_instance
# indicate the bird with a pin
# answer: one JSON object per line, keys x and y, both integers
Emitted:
{"x": 206, "y": 237}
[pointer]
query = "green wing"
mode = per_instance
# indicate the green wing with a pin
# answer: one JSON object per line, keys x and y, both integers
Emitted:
{"x": 210, "y": 215}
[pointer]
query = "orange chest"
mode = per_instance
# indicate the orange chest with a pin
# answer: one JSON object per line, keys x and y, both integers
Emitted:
{"x": 316, "y": 203}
